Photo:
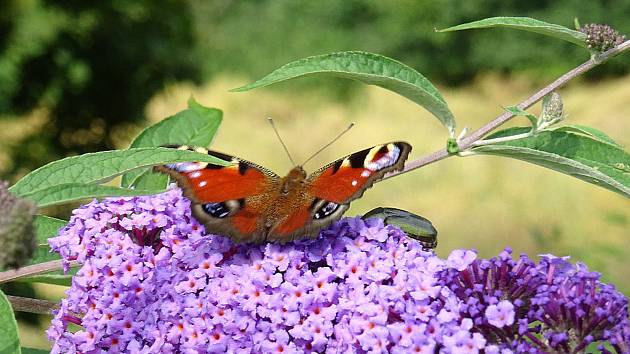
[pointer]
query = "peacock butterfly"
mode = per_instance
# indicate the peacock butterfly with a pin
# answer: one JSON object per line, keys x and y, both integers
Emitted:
{"x": 250, "y": 203}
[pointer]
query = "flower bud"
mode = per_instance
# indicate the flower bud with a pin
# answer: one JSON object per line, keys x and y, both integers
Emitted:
{"x": 600, "y": 38}
{"x": 17, "y": 233}
{"x": 552, "y": 108}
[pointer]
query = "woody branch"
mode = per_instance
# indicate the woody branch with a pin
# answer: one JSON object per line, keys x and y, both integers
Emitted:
{"x": 467, "y": 141}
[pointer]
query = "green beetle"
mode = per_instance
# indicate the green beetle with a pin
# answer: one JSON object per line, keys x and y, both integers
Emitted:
{"x": 413, "y": 225}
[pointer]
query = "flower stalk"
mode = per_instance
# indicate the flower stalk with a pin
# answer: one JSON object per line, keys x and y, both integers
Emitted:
{"x": 38, "y": 306}
{"x": 35, "y": 269}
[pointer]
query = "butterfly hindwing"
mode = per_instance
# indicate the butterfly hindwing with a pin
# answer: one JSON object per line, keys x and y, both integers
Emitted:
{"x": 307, "y": 220}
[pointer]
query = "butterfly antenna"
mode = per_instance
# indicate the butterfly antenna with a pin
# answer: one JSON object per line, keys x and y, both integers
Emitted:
{"x": 330, "y": 143}
{"x": 279, "y": 138}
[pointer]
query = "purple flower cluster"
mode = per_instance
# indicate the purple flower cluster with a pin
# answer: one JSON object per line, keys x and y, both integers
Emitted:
{"x": 549, "y": 307}
{"x": 152, "y": 282}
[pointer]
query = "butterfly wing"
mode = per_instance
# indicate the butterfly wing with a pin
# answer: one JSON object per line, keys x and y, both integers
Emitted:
{"x": 330, "y": 189}
{"x": 346, "y": 179}
{"x": 226, "y": 199}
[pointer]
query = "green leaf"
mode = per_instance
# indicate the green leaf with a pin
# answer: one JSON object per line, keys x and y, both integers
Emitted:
{"x": 195, "y": 126}
{"x": 371, "y": 69}
{"x": 26, "y": 350}
{"x": 56, "y": 277}
{"x": 148, "y": 180}
{"x": 582, "y": 156}
{"x": 68, "y": 192}
{"x": 519, "y": 112}
{"x": 9, "y": 341}
{"x": 593, "y": 347}
{"x": 101, "y": 166}
{"x": 43, "y": 254}
{"x": 53, "y": 279}
{"x": 525, "y": 24}
{"x": 46, "y": 227}
{"x": 588, "y": 131}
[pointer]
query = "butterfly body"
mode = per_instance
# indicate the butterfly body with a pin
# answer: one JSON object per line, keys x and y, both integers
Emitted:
{"x": 250, "y": 203}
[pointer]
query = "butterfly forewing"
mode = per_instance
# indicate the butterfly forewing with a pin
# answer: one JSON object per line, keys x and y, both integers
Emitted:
{"x": 346, "y": 179}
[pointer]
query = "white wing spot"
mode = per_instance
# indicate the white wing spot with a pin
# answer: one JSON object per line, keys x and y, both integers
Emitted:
{"x": 365, "y": 173}
{"x": 195, "y": 174}
{"x": 202, "y": 183}
{"x": 354, "y": 183}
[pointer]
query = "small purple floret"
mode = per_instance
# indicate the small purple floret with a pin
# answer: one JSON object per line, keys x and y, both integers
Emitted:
{"x": 501, "y": 314}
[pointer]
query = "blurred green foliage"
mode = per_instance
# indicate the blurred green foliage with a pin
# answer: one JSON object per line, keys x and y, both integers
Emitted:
{"x": 93, "y": 65}
{"x": 254, "y": 37}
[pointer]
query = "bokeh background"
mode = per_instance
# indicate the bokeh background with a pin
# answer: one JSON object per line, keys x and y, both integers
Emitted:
{"x": 82, "y": 76}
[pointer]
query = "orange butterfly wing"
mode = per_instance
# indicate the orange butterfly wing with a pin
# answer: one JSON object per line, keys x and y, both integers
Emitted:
{"x": 346, "y": 179}
{"x": 224, "y": 197}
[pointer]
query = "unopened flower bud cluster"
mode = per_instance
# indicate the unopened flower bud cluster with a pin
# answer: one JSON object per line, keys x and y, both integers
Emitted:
{"x": 601, "y": 37}
{"x": 17, "y": 233}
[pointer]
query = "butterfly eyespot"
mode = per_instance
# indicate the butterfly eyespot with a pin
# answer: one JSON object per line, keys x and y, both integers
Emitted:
{"x": 217, "y": 210}
{"x": 326, "y": 210}
{"x": 224, "y": 209}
